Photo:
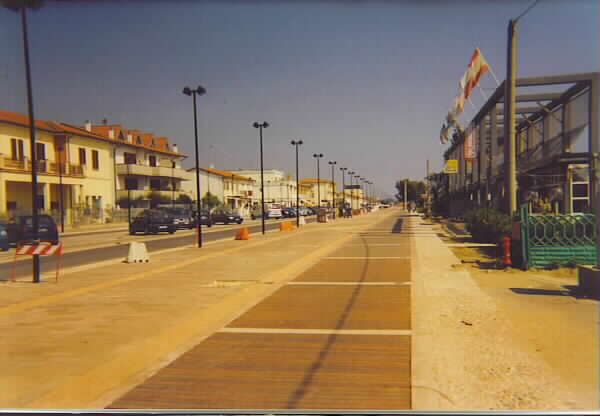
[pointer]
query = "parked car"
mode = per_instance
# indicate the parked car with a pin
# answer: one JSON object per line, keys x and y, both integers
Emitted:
{"x": 4, "y": 244}
{"x": 226, "y": 217}
{"x": 205, "y": 218}
{"x": 21, "y": 229}
{"x": 304, "y": 211}
{"x": 271, "y": 211}
{"x": 182, "y": 217}
{"x": 153, "y": 221}
{"x": 288, "y": 212}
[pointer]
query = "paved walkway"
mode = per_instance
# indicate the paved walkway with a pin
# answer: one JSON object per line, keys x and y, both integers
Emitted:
{"x": 87, "y": 340}
{"x": 336, "y": 337}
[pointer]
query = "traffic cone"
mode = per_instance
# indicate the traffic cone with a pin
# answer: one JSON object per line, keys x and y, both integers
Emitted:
{"x": 242, "y": 234}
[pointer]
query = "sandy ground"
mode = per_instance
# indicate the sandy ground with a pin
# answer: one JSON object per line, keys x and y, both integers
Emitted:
{"x": 513, "y": 339}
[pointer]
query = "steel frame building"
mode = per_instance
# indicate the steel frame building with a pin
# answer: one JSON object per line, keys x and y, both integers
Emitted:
{"x": 556, "y": 143}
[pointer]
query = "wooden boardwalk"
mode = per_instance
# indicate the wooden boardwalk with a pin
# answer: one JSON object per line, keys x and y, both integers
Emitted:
{"x": 337, "y": 337}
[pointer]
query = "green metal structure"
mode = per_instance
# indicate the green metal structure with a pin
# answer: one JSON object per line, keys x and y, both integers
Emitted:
{"x": 550, "y": 239}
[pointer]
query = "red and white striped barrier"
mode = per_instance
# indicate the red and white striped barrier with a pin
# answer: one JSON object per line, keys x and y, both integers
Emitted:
{"x": 44, "y": 248}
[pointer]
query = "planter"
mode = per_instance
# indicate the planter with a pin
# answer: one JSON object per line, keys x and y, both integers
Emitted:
{"x": 589, "y": 281}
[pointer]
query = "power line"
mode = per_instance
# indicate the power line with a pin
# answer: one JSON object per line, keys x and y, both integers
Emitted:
{"x": 528, "y": 9}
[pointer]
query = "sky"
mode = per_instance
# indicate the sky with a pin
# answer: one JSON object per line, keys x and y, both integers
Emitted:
{"x": 367, "y": 83}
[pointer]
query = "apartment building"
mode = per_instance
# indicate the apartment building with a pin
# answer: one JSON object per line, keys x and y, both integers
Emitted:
{"x": 279, "y": 187}
{"x": 75, "y": 168}
{"x": 147, "y": 169}
{"x": 323, "y": 188}
{"x": 234, "y": 191}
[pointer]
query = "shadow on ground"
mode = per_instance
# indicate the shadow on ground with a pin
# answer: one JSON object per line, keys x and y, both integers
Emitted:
{"x": 569, "y": 290}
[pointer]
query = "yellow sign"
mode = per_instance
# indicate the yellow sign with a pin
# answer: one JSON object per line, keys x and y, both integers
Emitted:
{"x": 451, "y": 166}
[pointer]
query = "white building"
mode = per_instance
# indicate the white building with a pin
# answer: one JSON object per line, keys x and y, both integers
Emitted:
{"x": 279, "y": 187}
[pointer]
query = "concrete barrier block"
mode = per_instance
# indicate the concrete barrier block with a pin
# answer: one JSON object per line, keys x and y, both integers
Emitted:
{"x": 138, "y": 253}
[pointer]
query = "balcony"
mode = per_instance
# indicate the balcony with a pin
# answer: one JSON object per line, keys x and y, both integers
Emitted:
{"x": 155, "y": 171}
{"x": 44, "y": 167}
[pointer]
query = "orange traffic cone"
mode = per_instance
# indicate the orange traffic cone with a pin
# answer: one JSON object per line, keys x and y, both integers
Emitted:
{"x": 242, "y": 234}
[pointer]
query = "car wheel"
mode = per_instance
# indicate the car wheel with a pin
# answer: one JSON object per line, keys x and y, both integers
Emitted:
{"x": 240, "y": 221}
{"x": 252, "y": 217}
{"x": 172, "y": 232}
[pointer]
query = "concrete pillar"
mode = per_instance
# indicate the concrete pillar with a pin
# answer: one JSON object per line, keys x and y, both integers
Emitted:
{"x": 2, "y": 195}
{"x": 46, "y": 192}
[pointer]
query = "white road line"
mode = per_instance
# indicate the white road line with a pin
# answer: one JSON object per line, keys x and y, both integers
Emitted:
{"x": 350, "y": 283}
{"x": 315, "y": 331}
{"x": 370, "y": 258}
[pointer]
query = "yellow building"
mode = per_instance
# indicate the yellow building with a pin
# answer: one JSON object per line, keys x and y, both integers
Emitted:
{"x": 81, "y": 161}
{"x": 83, "y": 172}
{"x": 323, "y": 188}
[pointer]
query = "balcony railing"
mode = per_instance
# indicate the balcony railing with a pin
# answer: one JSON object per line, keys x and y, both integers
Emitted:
{"x": 145, "y": 193}
{"x": 155, "y": 171}
{"x": 44, "y": 167}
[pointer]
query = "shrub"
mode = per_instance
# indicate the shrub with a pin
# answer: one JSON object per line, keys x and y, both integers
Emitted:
{"x": 488, "y": 225}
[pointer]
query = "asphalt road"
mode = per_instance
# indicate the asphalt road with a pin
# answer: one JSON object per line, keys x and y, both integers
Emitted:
{"x": 84, "y": 257}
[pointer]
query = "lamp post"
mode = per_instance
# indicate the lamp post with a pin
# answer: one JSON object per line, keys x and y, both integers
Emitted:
{"x": 318, "y": 156}
{"x": 60, "y": 189}
{"x": 343, "y": 191}
{"x": 128, "y": 186}
{"x": 198, "y": 91}
{"x": 357, "y": 177}
{"x": 333, "y": 185}
{"x": 262, "y": 126}
{"x": 351, "y": 173}
{"x": 172, "y": 183}
{"x": 297, "y": 144}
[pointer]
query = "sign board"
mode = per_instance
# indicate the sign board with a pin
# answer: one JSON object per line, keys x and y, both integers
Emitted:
{"x": 451, "y": 166}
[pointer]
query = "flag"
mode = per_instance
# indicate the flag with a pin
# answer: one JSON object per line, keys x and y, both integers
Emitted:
{"x": 477, "y": 67}
{"x": 444, "y": 133}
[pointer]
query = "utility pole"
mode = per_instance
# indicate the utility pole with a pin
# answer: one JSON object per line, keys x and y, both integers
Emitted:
{"x": 510, "y": 86}
{"x": 427, "y": 205}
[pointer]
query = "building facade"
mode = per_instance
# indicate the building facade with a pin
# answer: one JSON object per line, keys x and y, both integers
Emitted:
{"x": 556, "y": 138}
{"x": 279, "y": 187}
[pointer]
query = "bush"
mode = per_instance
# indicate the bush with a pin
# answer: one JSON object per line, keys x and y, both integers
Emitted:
{"x": 488, "y": 225}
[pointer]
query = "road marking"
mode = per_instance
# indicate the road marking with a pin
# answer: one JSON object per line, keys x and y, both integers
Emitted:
{"x": 370, "y": 258}
{"x": 316, "y": 331}
{"x": 43, "y": 300}
{"x": 350, "y": 283}
{"x": 378, "y": 245}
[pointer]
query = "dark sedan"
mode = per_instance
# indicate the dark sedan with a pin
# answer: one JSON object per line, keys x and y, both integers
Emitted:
{"x": 205, "y": 218}
{"x": 152, "y": 221}
{"x": 226, "y": 217}
{"x": 22, "y": 229}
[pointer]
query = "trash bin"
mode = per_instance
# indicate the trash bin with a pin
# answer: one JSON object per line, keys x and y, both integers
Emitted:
{"x": 321, "y": 215}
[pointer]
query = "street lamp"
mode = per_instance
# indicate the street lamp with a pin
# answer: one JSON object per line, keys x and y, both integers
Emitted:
{"x": 343, "y": 191}
{"x": 333, "y": 185}
{"x": 357, "y": 177}
{"x": 198, "y": 91}
{"x": 297, "y": 144}
{"x": 60, "y": 189}
{"x": 351, "y": 174}
{"x": 262, "y": 126}
{"x": 172, "y": 184}
{"x": 318, "y": 156}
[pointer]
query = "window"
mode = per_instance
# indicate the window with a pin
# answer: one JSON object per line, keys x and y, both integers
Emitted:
{"x": 130, "y": 158}
{"x": 152, "y": 160}
{"x": 16, "y": 147}
{"x": 82, "y": 159}
{"x": 155, "y": 184}
{"x": 40, "y": 151}
{"x": 131, "y": 183}
{"x": 95, "y": 160}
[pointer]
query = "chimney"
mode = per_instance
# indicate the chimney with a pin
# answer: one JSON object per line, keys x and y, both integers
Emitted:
{"x": 174, "y": 148}
{"x": 104, "y": 121}
{"x": 129, "y": 138}
{"x": 111, "y": 133}
{"x": 88, "y": 125}
{"x": 212, "y": 166}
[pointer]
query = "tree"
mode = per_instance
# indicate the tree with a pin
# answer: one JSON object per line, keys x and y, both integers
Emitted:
{"x": 157, "y": 199}
{"x": 414, "y": 190}
{"x": 184, "y": 199}
{"x": 210, "y": 201}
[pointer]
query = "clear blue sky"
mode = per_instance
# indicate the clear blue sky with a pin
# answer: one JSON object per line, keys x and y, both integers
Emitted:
{"x": 367, "y": 83}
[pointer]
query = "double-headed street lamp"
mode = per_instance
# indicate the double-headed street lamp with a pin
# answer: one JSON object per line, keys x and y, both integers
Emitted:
{"x": 262, "y": 126}
{"x": 333, "y": 163}
{"x": 297, "y": 144}
{"x": 357, "y": 177}
{"x": 343, "y": 191}
{"x": 198, "y": 91}
{"x": 351, "y": 174}
{"x": 318, "y": 156}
